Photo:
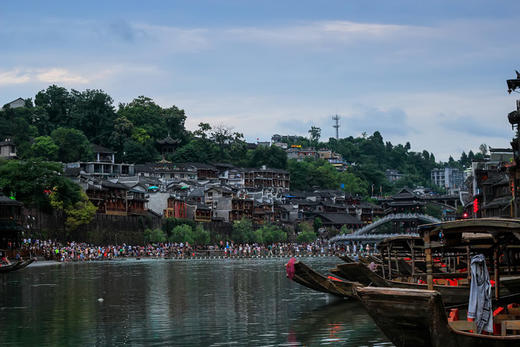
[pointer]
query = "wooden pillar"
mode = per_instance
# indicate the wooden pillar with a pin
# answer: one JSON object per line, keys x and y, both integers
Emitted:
{"x": 496, "y": 270}
{"x": 389, "y": 263}
{"x": 383, "y": 265}
{"x": 428, "y": 254}
{"x": 468, "y": 263}
{"x": 413, "y": 260}
{"x": 396, "y": 262}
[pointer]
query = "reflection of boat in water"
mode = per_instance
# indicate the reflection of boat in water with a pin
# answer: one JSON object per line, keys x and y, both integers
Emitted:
{"x": 16, "y": 266}
{"x": 309, "y": 278}
{"x": 340, "y": 321}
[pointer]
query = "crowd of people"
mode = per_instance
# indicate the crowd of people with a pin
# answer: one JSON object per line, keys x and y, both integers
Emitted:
{"x": 77, "y": 251}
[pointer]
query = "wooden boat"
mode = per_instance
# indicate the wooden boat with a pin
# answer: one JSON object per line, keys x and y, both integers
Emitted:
{"x": 16, "y": 266}
{"x": 412, "y": 317}
{"x": 309, "y": 278}
{"x": 346, "y": 258}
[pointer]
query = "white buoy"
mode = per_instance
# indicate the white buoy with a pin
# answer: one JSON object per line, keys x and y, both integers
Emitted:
{"x": 100, "y": 300}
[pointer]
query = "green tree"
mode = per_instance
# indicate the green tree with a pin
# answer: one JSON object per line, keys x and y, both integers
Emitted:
{"x": 317, "y": 224}
{"x": 55, "y": 105}
{"x": 44, "y": 148}
{"x": 30, "y": 181}
{"x": 258, "y": 236}
{"x": 201, "y": 236}
{"x": 137, "y": 153}
{"x": 154, "y": 236}
{"x": 306, "y": 237}
{"x": 272, "y": 157}
{"x": 93, "y": 112}
{"x": 78, "y": 212}
{"x": 315, "y": 134}
{"x": 73, "y": 145}
{"x": 242, "y": 230}
{"x": 182, "y": 233}
{"x": 158, "y": 122}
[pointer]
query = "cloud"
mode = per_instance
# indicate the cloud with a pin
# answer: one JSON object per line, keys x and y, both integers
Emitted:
{"x": 387, "y": 121}
{"x": 475, "y": 127}
{"x": 57, "y": 75}
{"x": 323, "y": 32}
{"x": 15, "y": 76}
{"x": 124, "y": 30}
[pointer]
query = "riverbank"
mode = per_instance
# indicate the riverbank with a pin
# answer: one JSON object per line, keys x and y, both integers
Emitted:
{"x": 73, "y": 251}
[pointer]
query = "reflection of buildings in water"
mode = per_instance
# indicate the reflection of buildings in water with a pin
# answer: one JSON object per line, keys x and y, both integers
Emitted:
{"x": 157, "y": 298}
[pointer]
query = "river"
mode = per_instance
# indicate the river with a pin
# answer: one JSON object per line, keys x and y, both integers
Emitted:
{"x": 218, "y": 302}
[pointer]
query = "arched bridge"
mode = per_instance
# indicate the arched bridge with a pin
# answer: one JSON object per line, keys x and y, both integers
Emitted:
{"x": 365, "y": 232}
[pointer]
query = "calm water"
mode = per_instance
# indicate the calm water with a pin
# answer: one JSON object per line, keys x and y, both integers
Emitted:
{"x": 174, "y": 302}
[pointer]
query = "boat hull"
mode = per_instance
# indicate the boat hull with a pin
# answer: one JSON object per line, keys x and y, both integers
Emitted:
{"x": 411, "y": 317}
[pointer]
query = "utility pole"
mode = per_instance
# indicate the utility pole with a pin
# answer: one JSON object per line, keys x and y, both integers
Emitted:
{"x": 336, "y": 126}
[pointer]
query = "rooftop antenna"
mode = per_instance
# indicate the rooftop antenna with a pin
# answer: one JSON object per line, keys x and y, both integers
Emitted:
{"x": 336, "y": 126}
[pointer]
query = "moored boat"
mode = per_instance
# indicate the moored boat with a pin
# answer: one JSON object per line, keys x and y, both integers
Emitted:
{"x": 309, "y": 278}
{"x": 417, "y": 317}
{"x": 16, "y": 265}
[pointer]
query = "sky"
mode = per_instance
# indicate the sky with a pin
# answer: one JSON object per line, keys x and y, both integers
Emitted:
{"x": 429, "y": 73}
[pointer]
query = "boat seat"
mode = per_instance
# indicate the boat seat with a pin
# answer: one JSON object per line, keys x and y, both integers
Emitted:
{"x": 510, "y": 325}
{"x": 463, "y": 325}
{"x": 498, "y": 319}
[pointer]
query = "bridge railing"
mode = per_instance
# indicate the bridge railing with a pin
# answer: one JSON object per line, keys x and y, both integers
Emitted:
{"x": 388, "y": 218}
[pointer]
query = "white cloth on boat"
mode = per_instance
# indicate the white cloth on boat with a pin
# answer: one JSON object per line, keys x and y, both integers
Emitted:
{"x": 480, "y": 307}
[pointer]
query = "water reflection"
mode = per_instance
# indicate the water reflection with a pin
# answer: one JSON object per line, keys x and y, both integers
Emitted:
{"x": 168, "y": 302}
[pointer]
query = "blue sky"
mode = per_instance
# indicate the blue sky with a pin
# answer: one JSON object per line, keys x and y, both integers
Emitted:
{"x": 432, "y": 73}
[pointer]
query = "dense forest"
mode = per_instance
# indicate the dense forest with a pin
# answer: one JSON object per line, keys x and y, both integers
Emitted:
{"x": 60, "y": 126}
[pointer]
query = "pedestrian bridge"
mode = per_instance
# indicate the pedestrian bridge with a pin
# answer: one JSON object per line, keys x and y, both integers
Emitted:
{"x": 367, "y": 232}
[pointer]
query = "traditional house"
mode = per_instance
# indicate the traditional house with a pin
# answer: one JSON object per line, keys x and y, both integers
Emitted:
{"x": 241, "y": 208}
{"x": 15, "y": 103}
{"x": 267, "y": 178}
{"x": 496, "y": 197}
{"x": 337, "y": 220}
{"x": 176, "y": 208}
{"x": 7, "y": 149}
{"x": 405, "y": 201}
{"x": 217, "y": 192}
{"x": 168, "y": 171}
{"x": 117, "y": 199}
{"x": 203, "y": 213}
{"x": 167, "y": 146}
{"x": 205, "y": 171}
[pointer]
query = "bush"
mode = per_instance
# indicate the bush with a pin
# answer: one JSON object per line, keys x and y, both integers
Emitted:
{"x": 273, "y": 234}
{"x": 201, "y": 236}
{"x": 154, "y": 236}
{"x": 258, "y": 236}
{"x": 306, "y": 237}
{"x": 182, "y": 233}
{"x": 170, "y": 223}
{"x": 242, "y": 231}
{"x": 344, "y": 230}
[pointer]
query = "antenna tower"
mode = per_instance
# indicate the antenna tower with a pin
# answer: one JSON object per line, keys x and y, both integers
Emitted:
{"x": 336, "y": 126}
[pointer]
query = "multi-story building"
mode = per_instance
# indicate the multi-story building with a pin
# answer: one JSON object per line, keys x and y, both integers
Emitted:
{"x": 267, "y": 178}
{"x": 300, "y": 154}
{"x": 449, "y": 178}
{"x": 393, "y": 175}
{"x": 117, "y": 199}
{"x": 104, "y": 165}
